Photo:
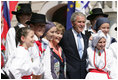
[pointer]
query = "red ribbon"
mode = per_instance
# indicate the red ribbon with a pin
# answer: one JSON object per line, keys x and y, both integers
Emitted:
{"x": 99, "y": 71}
{"x": 39, "y": 44}
{"x": 26, "y": 77}
{"x": 2, "y": 47}
{"x": 104, "y": 60}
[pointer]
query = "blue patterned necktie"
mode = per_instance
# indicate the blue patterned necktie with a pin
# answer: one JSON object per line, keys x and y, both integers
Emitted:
{"x": 79, "y": 46}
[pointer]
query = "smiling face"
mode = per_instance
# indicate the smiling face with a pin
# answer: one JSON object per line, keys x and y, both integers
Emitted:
{"x": 39, "y": 32}
{"x": 79, "y": 24}
{"x": 50, "y": 34}
{"x": 93, "y": 21}
{"x": 57, "y": 37}
{"x": 28, "y": 40}
{"x": 105, "y": 28}
{"x": 101, "y": 44}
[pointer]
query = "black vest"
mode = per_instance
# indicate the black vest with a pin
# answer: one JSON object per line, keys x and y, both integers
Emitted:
{"x": 16, "y": 29}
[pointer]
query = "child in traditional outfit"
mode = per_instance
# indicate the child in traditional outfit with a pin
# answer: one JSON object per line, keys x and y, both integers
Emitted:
{"x": 100, "y": 59}
{"x": 46, "y": 38}
{"x": 103, "y": 24}
{"x": 40, "y": 48}
{"x": 21, "y": 64}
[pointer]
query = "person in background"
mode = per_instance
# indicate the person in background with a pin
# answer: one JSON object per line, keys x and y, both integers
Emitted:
{"x": 37, "y": 23}
{"x": 40, "y": 48}
{"x": 100, "y": 59}
{"x": 103, "y": 24}
{"x": 23, "y": 14}
{"x": 74, "y": 45}
{"x": 94, "y": 15}
{"x": 58, "y": 61}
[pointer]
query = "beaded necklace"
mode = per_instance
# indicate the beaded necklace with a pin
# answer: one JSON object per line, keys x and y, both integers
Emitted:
{"x": 104, "y": 59}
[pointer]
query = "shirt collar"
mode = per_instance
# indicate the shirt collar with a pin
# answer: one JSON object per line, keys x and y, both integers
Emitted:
{"x": 76, "y": 32}
{"x": 20, "y": 25}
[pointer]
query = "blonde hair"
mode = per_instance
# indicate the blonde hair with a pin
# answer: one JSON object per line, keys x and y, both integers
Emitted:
{"x": 59, "y": 27}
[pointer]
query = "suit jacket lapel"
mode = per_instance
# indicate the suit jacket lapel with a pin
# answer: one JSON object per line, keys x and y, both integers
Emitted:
{"x": 85, "y": 45}
{"x": 73, "y": 43}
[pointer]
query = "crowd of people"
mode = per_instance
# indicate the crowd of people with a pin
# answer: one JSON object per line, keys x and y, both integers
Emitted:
{"x": 37, "y": 49}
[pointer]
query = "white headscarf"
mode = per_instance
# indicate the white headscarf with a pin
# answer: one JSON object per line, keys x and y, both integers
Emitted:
{"x": 97, "y": 37}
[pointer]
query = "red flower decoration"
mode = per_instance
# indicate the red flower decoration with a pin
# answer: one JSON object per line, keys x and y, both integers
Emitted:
{"x": 43, "y": 50}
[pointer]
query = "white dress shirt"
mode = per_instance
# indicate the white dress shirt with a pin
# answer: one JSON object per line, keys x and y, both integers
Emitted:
{"x": 75, "y": 36}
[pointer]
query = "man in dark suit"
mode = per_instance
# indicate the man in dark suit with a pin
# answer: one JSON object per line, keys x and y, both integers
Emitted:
{"x": 75, "y": 53}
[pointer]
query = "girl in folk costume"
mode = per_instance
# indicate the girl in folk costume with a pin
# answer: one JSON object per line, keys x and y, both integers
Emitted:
{"x": 40, "y": 48}
{"x": 100, "y": 59}
{"x": 22, "y": 66}
{"x": 46, "y": 38}
{"x": 103, "y": 24}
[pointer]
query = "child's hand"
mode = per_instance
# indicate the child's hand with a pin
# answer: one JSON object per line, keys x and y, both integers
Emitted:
{"x": 90, "y": 38}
